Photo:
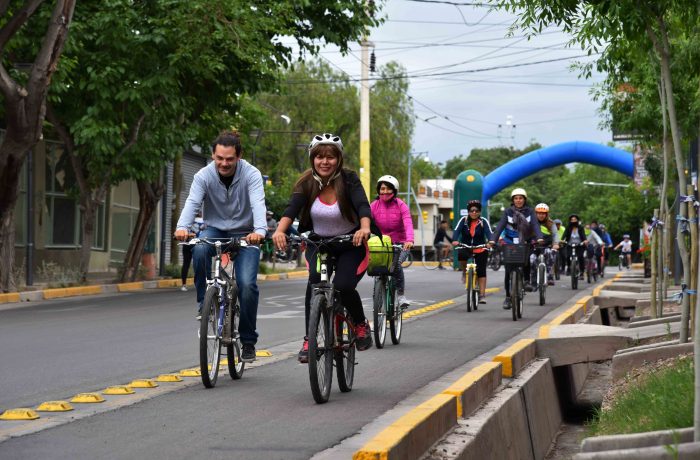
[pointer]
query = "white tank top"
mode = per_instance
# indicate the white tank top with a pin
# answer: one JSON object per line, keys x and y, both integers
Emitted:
{"x": 327, "y": 219}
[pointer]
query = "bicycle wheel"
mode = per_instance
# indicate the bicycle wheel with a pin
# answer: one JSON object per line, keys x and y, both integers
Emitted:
{"x": 514, "y": 292}
{"x": 209, "y": 338}
{"x": 542, "y": 282}
{"x": 379, "y": 307}
{"x": 521, "y": 296}
{"x": 395, "y": 319}
{"x": 320, "y": 350}
{"x": 345, "y": 352}
{"x": 408, "y": 260}
{"x": 475, "y": 291}
{"x": 469, "y": 287}
{"x": 233, "y": 350}
{"x": 574, "y": 274}
{"x": 431, "y": 261}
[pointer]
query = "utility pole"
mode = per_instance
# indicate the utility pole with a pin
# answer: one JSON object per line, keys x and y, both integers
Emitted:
{"x": 364, "y": 117}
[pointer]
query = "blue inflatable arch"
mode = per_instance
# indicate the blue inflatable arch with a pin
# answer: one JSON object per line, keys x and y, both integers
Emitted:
{"x": 556, "y": 155}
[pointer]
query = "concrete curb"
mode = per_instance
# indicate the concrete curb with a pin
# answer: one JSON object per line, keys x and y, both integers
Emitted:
{"x": 59, "y": 293}
{"x": 516, "y": 357}
{"x": 414, "y": 432}
{"x": 623, "y": 363}
{"x": 636, "y": 440}
{"x": 475, "y": 387}
{"x": 687, "y": 451}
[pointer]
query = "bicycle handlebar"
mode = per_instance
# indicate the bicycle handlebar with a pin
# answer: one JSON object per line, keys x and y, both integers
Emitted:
{"x": 478, "y": 246}
{"x": 214, "y": 241}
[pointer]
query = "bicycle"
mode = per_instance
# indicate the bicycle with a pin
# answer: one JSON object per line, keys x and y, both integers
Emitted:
{"x": 573, "y": 265}
{"x": 591, "y": 265}
{"x": 331, "y": 332}
{"x": 515, "y": 258}
{"x": 221, "y": 314}
{"x": 622, "y": 261}
{"x": 471, "y": 281}
{"x": 433, "y": 259}
{"x": 495, "y": 262}
{"x": 384, "y": 304}
{"x": 540, "y": 272}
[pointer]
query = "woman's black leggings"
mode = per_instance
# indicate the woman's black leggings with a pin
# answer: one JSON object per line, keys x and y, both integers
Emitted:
{"x": 348, "y": 259}
{"x": 186, "y": 260}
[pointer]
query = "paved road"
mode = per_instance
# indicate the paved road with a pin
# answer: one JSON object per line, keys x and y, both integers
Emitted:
{"x": 52, "y": 350}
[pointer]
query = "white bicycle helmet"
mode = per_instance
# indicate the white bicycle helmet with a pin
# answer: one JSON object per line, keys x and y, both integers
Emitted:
{"x": 394, "y": 182}
{"x": 542, "y": 207}
{"x": 326, "y": 139}
{"x": 518, "y": 191}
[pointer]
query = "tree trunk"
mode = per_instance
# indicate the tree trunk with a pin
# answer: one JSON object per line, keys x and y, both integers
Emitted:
{"x": 175, "y": 207}
{"x": 12, "y": 155}
{"x": 653, "y": 243}
{"x": 149, "y": 195}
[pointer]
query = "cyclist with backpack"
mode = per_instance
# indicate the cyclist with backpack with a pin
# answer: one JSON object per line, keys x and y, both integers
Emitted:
{"x": 551, "y": 239}
{"x": 473, "y": 230}
{"x": 392, "y": 216}
{"x": 518, "y": 225}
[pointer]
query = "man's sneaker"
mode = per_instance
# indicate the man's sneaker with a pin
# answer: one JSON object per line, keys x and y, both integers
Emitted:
{"x": 482, "y": 298}
{"x": 303, "y": 356}
{"x": 506, "y": 304}
{"x": 529, "y": 287}
{"x": 550, "y": 282}
{"x": 183, "y": 288}
{"x": 248, "y": 354}
{"x": 363, "y": 335}
{"x": 403, "y": 302}
{"x": 198, "y": 317}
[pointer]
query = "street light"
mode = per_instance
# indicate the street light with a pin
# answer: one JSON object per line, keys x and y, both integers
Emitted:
{"x": 604, "y": 184}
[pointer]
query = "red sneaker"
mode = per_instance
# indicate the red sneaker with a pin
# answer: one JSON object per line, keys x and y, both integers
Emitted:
{"x": 304, "y": 352}
{"x": 363, "y": 336}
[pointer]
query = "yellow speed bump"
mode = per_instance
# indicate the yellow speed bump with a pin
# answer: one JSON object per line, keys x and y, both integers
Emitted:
{"x": 118, "y": 390}
{"x": 190, "y": 373}
{"x": 87, "y": 398}
{"x": 143, "y": 383}
{"x": 54, "y": 406}
{"x": 263, "y": 354}
{"x": 21, "y": 413}
{"x": 169, "y": 378}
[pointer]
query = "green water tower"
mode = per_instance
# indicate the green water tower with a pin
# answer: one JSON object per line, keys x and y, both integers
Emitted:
{"x": 469, "y": 185}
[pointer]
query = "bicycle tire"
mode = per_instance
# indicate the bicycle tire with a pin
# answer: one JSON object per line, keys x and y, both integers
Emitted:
{"x": 320, "y": 350}
{"x": 514, "y": 294}
{"x": 396, "y": 318}
{"x": 408, "y": 261}
{"x": 574, "y": 274}
{"x": 542, "y": 283}
{"x": 469, "y": 287}
{"x": 379, "y": 311}
{"x": 345, "y": 352}
{"x": 431, "y": 261}
{"x": 209, "y": 338}
{"x": 521, "y": 296}
{"x": 475, "y": 298}
{"x": 233, "y": 350}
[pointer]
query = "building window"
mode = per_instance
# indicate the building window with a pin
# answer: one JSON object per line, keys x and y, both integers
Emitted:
{"x": 63, "y": 229}
{"x": 125, "y": 210}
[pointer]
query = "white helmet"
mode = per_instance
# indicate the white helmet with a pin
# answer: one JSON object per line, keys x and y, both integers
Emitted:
{"x": 326, "y": 138}
{"x": 394, "y": 182}
{"x": 542, "y": 207}
{"x": 518, "y": 191}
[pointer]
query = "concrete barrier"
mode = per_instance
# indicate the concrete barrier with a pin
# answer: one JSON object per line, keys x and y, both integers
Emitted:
{"x": 649, "y": 322}
{"x": 637, "y": 440}
{"x": 687, "y": 451}
{"x": 414, "y": 433}
{"x": 126, "y": 287}
{"x": 475, "y": 387}
{"x": 9, "y": 297}
{"x": 623, "y": 363}
{"x": 516, "y": 357}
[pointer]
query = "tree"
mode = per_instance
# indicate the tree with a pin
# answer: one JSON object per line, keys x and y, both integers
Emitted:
{"x": 139, "y": 94}
{"x": 24, "y": 98}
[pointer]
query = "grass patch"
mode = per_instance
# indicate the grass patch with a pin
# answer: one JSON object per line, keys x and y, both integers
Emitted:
{"x": 660, "y": 398}
{"x": 265, "y": 268}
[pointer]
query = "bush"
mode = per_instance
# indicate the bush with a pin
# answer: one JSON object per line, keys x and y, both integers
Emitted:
{"x": 58, "y": 276}
{"x": 173, "y": 271}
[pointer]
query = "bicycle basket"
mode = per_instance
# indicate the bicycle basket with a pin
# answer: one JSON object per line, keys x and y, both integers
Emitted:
{"x": 381, "y": 256}
{"x": 515, "y": 254}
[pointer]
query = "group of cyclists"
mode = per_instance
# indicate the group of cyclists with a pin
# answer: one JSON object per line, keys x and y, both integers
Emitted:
{"x": 329, "y": 200}
{"x": 522, "y": 224}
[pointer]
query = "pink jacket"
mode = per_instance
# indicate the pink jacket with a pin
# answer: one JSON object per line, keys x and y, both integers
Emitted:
{"x": 394, "y": 219}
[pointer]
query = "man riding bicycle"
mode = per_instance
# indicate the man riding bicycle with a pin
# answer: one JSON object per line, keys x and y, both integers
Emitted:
{"x": 229, "y": 190}
{"x": 517, "y": 222}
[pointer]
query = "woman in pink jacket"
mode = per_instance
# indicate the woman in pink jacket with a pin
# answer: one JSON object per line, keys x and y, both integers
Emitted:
{"x": 393, "y": 218}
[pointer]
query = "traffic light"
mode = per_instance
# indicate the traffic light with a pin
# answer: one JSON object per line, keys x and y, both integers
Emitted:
{"x": 425, "y": 217}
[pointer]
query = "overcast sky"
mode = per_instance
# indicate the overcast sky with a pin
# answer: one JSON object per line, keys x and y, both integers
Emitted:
{"x": 546, "y": 102}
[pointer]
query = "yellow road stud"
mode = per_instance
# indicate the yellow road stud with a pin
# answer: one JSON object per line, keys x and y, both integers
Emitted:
{"x": 143, "y": 383}
{"x": 169, "y": 378}
{"x": 21, "y": 413}
{"x": 267, "y": 354}
{"x": 54, "y": 406}
{"x": 190, "y": 373}
{"x": 118, "y": 390}
{"x": 87, "y": 398}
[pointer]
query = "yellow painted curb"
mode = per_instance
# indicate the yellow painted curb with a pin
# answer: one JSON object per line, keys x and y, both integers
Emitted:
{"x": 9, "y": 297}
{"x": 506, "y": 356}
{"x": 380, "y": 446}
{"x": 169, "y": 283}
{"x": 544, "y": 332}
{"x": 492, "y": 290}
{"x": 261, "y": 354}
{"x": 299, "y": 274}
{"x": 468, "y": 380}
{"x": 71, "y": 291}
{"x": 125, "y": 287}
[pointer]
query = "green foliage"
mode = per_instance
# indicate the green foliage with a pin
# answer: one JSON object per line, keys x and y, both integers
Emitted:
{"x": 661, "y": 401}
{"x": 58, "y": 276}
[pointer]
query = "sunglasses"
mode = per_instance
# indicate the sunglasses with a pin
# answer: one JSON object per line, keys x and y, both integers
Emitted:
{"x": 473, "y": 210}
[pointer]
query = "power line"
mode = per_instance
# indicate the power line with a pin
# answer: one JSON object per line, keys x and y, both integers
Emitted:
{"x": 444, "y": 2}
{"x": 448, "y": 118}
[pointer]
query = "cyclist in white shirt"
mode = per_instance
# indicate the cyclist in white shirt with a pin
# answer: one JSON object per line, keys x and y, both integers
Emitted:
{"x": 626, "y": 245}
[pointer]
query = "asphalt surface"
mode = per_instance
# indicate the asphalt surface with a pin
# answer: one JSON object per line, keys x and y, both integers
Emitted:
{"x": 55, "y": 349}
